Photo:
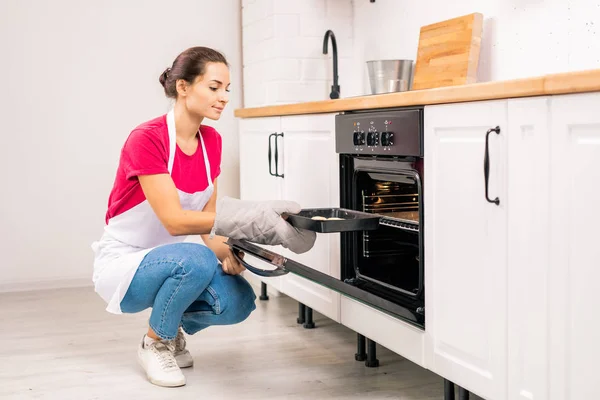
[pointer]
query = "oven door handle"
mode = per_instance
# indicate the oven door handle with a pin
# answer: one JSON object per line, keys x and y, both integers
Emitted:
{"x": 279, "y": 262}
{"x": 278, "y": 271}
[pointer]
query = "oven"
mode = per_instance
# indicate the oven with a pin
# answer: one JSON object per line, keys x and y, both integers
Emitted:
{"x": 381, "y": 176}
{"x": 381, "y": 172}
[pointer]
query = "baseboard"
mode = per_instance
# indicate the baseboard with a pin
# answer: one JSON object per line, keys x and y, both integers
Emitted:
{"x": 24, "y": 286}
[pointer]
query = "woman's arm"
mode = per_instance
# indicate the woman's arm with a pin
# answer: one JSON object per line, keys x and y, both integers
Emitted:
{"x": 270, "y": 229}
{"x": 217, "y": 244}
{"x": 161, "y": 193}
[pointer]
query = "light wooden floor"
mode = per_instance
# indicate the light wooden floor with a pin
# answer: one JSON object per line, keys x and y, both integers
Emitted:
{"x": 61, "y": 344}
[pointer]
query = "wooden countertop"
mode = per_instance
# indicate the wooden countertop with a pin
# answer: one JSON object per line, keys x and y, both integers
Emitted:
{"x": 570, "y": 82}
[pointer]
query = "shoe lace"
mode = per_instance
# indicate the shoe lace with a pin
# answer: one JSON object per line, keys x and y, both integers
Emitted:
{"x": 164, "y": 353}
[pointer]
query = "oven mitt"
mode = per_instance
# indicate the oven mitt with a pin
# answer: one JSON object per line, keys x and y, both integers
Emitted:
{"x": 261, "y": 222}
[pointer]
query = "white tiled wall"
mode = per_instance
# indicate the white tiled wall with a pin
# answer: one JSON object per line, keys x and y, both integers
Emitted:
{"x": 283, "y": 50}
{"x": 521, "y": 38}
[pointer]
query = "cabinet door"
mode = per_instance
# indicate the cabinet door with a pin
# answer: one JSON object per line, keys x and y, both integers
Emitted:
{"x": 465, "y": 246}
{"x": 257, "y": 136}
{"x": 256, "y": 182}
{"x": 310, "y": 166}
{"x": 574, "y": 252}
{"x": 528, "y": 247}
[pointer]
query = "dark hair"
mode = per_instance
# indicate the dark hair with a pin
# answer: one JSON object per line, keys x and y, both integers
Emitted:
{"x": 187, "y": 66}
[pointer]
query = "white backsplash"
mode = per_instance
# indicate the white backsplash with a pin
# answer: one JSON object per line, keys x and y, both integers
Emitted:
{"x": 521, "y": 38}
{"x": 283, "y": 39}
{"x": 283, "y": 49}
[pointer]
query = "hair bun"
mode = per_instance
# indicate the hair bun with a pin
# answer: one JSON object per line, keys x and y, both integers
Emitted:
{"x": 163, "y": 77}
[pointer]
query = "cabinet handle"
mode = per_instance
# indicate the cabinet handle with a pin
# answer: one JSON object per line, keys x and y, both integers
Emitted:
{"x": 277, "y": 155}
{"x": 486, "y": 165}
{"x": 270, "y": 155}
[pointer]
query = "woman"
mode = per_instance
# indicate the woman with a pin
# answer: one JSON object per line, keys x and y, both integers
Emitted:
{"x": 165, "y": 189}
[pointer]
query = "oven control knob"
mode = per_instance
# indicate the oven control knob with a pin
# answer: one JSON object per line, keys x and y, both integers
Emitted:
{"x": 373, "y": 139}
{"x": 387, "y": 138}
{"x": 359, "y": 138}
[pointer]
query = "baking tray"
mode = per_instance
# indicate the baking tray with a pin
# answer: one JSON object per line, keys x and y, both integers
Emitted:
{"x": 351, "y": 220}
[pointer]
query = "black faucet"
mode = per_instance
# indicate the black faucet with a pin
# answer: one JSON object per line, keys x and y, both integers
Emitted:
{"x": 335, "y": 88}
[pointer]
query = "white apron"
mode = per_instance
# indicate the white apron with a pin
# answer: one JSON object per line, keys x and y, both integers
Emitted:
{"x": 129, "y": 236}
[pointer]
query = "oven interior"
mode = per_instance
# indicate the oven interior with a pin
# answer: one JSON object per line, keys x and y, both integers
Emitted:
{"x": 388, "y": 261}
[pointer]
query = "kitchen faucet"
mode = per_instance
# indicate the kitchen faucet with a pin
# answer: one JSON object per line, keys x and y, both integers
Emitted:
{"x": 335, "y": 88}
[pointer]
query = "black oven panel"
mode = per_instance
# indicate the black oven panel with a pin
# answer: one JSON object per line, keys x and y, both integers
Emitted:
{"x": 388, "y": 133}
{"x": 381, "y": 172}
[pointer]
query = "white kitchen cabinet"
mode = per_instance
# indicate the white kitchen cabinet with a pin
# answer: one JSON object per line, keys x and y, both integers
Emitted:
{"x": 256, "y": 182}
{"x": 574, "y": 260}
{"x": 528, "y": 137}
{"x": 511, "y": 289}
{"x": 466, "y": 246}
{"x": 307, "y": 160}
{"x": 311, "y": 178}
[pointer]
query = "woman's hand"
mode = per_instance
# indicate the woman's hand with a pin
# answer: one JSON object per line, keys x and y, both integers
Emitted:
{"x": 261, "y": 222}
{"x": 231, "y": 266}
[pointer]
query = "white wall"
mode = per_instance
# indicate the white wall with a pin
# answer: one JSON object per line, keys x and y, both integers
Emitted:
{"x": 77, "y": 76}
{"x": 283, "y": 49}
{"x": 521, "y": 38}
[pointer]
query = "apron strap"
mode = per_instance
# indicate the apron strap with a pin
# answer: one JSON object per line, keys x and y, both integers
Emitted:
{"x": 206, "y": 162}
{"x": 173, "y": 146}
{"x": 172, "y": 138}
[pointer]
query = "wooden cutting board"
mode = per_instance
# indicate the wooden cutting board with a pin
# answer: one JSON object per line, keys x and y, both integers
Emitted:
{"x": 448, "y": 52}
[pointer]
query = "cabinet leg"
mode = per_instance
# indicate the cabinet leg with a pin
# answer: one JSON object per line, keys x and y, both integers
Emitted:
{"x": 263, "y": 291}
{"x": 463, "y": 394}
{"x": 308, "y": 319}
{"x": 361, "y": 351}
{"x": 301, "y": 312}
{"x": 372, "y": 361}
{"x": 448, "y": 390}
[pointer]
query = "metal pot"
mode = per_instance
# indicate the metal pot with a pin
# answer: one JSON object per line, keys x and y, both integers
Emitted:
{"x": 387, "y": 76}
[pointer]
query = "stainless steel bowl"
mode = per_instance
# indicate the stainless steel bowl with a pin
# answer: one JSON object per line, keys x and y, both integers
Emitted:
{"x": 387, "y": 76}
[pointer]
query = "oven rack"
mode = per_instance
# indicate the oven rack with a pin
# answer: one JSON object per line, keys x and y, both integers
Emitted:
{"x": 404, "y": 224}
{"x": 405, "y": 215}
{"x": 391, "y": 207}
{"x": 381, "y": 253}
{"x": 406, "y": 204}
{"x": 379, "y": 237}
{"x": 374, "y": 196}
{"x": 386, "y": 250}
{"x": 389, "y": 199}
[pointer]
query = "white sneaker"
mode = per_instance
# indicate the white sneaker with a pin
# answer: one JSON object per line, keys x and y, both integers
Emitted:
{"x": 182, "y": 355}
{"x": 160, "y": 365}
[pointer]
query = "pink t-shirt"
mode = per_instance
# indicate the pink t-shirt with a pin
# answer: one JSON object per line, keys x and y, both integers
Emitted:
{"x": 146, "y": 152}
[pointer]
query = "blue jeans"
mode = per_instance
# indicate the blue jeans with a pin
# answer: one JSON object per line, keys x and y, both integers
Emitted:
{"x": 185, "y": 285}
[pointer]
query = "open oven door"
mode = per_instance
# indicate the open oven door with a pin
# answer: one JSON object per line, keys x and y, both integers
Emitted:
{"x": 282, "y": 265}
